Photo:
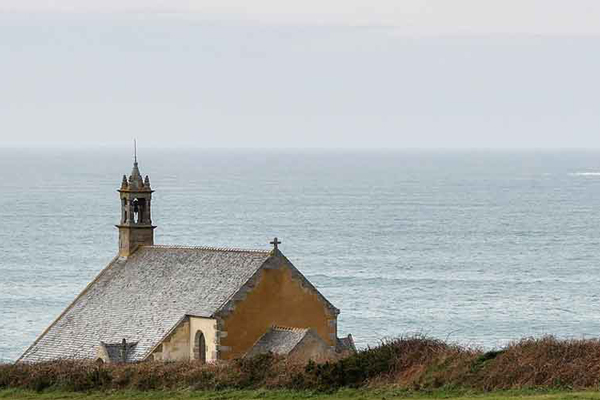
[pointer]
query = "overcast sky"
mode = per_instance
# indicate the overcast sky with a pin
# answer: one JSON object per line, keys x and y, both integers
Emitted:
{"x": 266, "y": 73}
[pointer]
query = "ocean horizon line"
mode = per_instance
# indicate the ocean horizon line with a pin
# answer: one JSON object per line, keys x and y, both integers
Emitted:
{"x": 295, "y": 149}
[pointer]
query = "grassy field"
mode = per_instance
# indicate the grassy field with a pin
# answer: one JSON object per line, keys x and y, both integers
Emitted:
{"x": 346, "y": 394}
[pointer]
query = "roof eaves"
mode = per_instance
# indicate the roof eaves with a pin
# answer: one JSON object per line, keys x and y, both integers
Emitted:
{"x": 84, "y": 291}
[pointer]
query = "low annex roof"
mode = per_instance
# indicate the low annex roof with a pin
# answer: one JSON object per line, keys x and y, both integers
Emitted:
{"x": 141, "y": 298}
{"x": 278, "y": 340}
{"x": 345, "y": 344}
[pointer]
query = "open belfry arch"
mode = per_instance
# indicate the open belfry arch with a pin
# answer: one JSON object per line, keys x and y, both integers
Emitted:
{"x": 168, "y": 303}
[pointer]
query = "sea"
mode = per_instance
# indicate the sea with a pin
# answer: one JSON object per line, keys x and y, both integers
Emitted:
{"x": 480, "y": 248}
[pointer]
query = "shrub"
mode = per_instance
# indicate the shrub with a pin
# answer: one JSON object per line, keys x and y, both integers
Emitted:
{"x": 415, "y": 363}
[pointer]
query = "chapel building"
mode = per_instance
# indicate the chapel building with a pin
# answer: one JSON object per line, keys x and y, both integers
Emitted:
{"x": 170, "y": 303}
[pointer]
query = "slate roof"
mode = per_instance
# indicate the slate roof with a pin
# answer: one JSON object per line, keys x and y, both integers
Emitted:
{"x": 143, "y": 297}
{"x": 278, "y": 340}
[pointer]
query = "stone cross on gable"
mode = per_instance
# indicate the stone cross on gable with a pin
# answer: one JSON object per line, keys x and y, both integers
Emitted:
{"x": 275, "y": 243}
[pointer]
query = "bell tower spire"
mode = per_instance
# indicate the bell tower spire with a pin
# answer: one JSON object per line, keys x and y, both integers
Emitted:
{"x": 135, "y": 228}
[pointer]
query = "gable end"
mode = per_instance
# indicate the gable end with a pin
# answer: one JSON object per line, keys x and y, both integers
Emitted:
{"x": 275, "y": 261}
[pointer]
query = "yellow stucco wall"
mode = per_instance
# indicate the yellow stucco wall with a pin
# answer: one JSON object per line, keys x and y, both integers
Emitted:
{"x": 277, "y": 299}
{"x": 209, "y": 329}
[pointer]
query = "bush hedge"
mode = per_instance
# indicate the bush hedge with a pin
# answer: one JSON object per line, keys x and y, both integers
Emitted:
{"x": 416, "y": 363}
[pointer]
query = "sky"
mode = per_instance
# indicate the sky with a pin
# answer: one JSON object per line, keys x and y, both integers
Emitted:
{"x": 382, "y": 74}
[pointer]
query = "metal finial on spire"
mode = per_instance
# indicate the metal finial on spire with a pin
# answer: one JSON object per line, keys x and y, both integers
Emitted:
{"x": 135, "y": 179}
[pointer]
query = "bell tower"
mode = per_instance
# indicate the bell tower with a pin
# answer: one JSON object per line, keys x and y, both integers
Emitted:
{"x": 135, "y": 228}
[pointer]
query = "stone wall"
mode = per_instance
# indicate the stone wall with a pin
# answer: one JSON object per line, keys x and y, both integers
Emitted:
{"x": 176, "y": 346}
{"x": 312, "y": 348}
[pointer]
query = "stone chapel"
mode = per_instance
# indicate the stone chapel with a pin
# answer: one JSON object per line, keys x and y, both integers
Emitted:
{"x": 168, "y": 303}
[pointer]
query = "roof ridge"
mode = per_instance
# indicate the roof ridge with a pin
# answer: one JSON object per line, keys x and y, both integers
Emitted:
{"x": 289, "y": 328}
{"x": 209, "y": 248}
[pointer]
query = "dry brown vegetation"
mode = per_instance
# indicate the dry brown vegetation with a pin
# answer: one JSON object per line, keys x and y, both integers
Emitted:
{"x": 416, "y": 363}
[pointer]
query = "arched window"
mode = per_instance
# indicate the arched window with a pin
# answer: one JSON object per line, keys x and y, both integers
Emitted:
{"x": 200, "y": 347}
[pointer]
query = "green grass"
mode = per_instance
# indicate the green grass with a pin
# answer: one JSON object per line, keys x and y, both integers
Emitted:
{"x": 346, "y": 394}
